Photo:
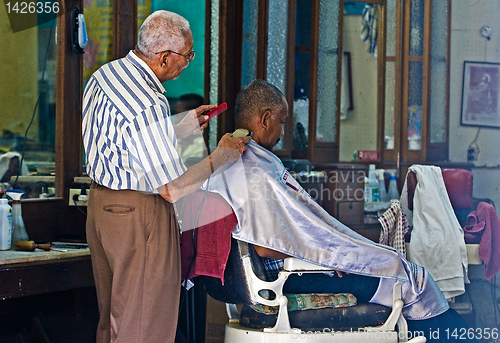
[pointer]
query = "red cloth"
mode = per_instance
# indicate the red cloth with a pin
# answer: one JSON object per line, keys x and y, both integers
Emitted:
{"x": 213, "y": 236}
{"x": 485, "y": 219}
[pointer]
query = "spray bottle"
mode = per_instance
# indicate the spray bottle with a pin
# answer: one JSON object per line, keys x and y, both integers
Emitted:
{"x": 19, "y": 231}
{"x": 393, "y": 192}
{"x": 382, "y": 193}
{"x": 373, "y": 183}
{"x": 5, "y": 224}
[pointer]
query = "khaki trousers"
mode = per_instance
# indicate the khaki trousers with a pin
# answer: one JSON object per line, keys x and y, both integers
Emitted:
{"x": 134, "y": 245}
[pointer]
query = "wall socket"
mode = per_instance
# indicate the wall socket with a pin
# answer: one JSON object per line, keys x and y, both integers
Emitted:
{"x": 472, "y": 153}
{"x": 75, "y": 195}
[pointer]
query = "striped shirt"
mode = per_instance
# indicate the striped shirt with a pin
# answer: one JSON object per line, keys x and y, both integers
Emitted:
{"x": 128, "y": 136}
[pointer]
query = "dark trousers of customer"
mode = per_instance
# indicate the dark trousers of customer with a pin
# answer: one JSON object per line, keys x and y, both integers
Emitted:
{"x": 134, "y": 245}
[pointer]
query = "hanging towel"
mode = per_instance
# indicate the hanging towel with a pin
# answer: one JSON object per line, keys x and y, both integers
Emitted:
{"x": 437, "y": 239}
{"x": 212, "y": 240}
{"x": 394, "y": 227}
{"x": 369, "y": 28}
{"x": 485, "y": 219}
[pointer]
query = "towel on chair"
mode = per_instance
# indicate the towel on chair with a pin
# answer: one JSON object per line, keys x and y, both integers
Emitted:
{"x": 213, "y": 238}
{"x": 394, "y": 227}
{"x": 437, "y": 239}
{"x": 485, "y": 219}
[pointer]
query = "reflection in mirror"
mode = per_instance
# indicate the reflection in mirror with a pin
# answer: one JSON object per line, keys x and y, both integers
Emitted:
{"x": 389, "y": 118}
{"x": 277, "y": 50}
{"x": 302, "y": 77}
{"x": 390, "y": 77}
{"x": 415, "y": 106}
{"x": 358, "y": 127}
{"x": 326, "y": 111}
{"x": 213, "y": 90}
{"x": 301, "y": 101}
{"x": 27, "y": 114}
{"x": 99, "y": 23}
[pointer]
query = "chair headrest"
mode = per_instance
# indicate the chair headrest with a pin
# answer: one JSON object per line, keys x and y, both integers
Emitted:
{"x": 458, "y": 183}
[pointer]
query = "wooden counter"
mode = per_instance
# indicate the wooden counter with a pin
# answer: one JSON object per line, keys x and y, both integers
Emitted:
{"x": 24, "y": 273}
{"x": 8, "y": 257}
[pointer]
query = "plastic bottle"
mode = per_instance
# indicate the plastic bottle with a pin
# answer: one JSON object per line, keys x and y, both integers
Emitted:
{"x": 373, "y": 183}
{"x": 5, "y": 224}
{"x": 367, "y": 190}
{"x": 382, "y": 193}
{"x": 19, "y": 231}
{"x": 393, "y": 189}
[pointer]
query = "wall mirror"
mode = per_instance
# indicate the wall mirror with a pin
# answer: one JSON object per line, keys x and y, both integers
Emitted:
{"x": 27, "y": 111}
{"x": 362, "y": 70}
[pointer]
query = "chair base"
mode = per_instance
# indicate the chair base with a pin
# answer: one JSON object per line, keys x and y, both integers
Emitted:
{"x": 235, "y": 333}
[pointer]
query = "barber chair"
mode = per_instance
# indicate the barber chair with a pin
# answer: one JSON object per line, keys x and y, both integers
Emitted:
{"x": 244, "y": 283}
{"x": 459, "y": 186}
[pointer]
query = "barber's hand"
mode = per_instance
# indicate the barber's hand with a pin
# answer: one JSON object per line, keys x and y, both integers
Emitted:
{"x": 230, "y": 148}
{"x": 203, "y": 118}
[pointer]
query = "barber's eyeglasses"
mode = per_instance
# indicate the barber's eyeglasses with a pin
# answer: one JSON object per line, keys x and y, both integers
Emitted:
{"x": 189, "y": 56}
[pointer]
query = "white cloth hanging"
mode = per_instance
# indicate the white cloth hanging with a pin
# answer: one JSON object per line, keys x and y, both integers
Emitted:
{"x": 437, "y": 239}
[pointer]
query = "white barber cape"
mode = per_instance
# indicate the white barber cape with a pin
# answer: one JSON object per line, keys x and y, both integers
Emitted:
{"x": 274, "y": 211}
{"x": 437, "y": 239}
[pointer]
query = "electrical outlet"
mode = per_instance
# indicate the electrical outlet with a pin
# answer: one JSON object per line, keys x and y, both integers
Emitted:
{"x": 76, "y": 196}
{"x": 472, "y": 153}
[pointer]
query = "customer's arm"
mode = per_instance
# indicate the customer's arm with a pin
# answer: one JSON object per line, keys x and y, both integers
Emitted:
{"x": 229, "y": 149}
{"x": 269, "y": 253}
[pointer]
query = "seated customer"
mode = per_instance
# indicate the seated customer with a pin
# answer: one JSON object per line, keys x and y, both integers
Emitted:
{"x": 276, "y": 215}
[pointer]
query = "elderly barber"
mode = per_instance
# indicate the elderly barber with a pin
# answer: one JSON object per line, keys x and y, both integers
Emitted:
{"x": 130, "y": 146}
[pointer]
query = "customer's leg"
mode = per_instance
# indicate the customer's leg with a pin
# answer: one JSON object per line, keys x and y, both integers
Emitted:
{"x": 362, "y": 287}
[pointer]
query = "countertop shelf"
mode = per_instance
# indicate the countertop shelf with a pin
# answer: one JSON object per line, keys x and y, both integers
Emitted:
{"x": 26, "y": 273}
{"x": 10, "y": 257}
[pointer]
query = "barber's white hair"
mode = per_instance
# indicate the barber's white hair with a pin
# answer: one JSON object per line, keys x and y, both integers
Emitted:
{"x": 162, "y": 30}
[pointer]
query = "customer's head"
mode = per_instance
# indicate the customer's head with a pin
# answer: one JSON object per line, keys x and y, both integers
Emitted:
{"x": 166, "y": 44}
{"x": 262, "y": 109}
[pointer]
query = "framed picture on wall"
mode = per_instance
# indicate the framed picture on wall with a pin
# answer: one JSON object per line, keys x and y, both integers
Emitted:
{"x": 480, "y": 94}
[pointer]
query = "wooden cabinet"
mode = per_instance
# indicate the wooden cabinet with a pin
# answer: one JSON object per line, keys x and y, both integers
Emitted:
{"x": 314, "y": 185}
{"x": 350, "y": 212}
{"x": 343, "y": 193}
